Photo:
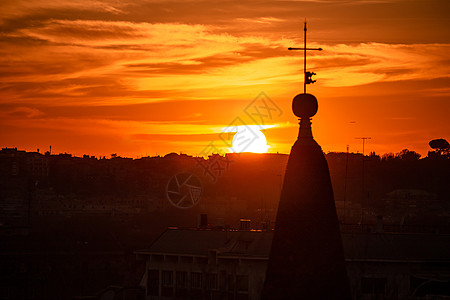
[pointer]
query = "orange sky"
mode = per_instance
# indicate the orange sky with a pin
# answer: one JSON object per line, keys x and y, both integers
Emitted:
{"x": 151, "y": 77}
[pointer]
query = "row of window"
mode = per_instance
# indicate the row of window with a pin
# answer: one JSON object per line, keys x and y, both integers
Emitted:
{"x": 179, "y": 259}
{"x": 419, "y": 286}
{"x": 373, "y": 285}
{"x": 166, "y": 283}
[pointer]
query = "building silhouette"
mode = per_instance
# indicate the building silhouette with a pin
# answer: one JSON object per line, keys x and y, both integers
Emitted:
{"x": 217, "y": 263}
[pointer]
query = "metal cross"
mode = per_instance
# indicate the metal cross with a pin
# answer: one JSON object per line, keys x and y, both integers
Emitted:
{"x": 308, "y": 75}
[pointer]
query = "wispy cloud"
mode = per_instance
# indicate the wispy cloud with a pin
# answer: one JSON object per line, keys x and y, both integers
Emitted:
{"x": 97, "y": 66}
{"x": 17, "y": 8}
{"x": 114, "y": 61}
{"x": 346, "y": 65}
{"x": 25, "y": 112}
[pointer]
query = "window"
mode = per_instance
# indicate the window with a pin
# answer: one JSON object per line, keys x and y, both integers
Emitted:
{"x": 241, "y": 297}
{"x": 167, "y": 278}
{"x": 167, "y": 283}
{"x": 211, "y": 281}
{"x": 181, "y": 279}
{"x": 373, "y": 285}
{"x": 181, "y": 284}
{"x": 196, "y": 280}
{"x": 153, "y": 283}
{"x": 242, "y": 283}
{"x": 223, "y": 281}
{"x": 231, "y": 283}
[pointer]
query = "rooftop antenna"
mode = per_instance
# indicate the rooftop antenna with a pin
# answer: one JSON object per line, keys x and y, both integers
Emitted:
{"x": 364, "y": 138}
{"x": 308, "y": 75}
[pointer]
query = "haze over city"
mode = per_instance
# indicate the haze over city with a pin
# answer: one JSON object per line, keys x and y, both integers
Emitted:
{"x": 141, "y": 78}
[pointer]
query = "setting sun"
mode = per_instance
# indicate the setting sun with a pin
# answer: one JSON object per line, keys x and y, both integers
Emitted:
{"x": 152, "y": 77}
{"x": 246, "y": 140}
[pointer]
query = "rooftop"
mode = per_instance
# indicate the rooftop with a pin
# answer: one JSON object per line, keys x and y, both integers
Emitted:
{"x": 404, "y": 247}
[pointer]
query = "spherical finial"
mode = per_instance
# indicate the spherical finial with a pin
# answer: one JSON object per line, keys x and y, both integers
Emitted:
{"x": 304, "y": 105}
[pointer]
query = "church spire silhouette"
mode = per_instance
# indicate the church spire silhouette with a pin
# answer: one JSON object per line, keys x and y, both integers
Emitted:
{"x": 307, "y": 258}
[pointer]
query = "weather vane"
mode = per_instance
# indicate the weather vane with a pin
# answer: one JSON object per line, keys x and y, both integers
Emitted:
{"x": 308, "y": 75}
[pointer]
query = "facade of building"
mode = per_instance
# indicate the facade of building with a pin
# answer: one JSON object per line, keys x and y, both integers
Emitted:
{"x": 206, "y": 264}
{"x": 231, "y": 264}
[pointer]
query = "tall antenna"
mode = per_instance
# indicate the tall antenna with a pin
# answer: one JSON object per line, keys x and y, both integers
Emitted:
{"x": 308, "y": 75}
{"x": 364, "y": 138}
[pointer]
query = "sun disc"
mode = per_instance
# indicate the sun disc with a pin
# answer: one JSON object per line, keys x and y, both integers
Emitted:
{"x": 249, "y": 140}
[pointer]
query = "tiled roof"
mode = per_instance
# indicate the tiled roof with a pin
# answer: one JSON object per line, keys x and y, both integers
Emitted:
{"x": 256, "y": 244}
{"x": 199, "y": 242}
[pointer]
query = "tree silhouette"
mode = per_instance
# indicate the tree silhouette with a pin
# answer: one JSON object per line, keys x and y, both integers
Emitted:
{"x": 408, "y": 155}
{"x": 442, "y": 149}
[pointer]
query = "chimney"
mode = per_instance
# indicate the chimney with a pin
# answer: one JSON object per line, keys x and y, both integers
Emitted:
{"x": 203, "y": 221}
{"x": 212, "y": 257}
{"x": 379, "y": 224}
{"x": 220, "y": 223}
{"x": 244, "y": 224}
{"x": 265, "y": 225}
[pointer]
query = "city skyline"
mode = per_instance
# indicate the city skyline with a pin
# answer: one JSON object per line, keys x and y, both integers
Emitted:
{"x": 153, "y": 77}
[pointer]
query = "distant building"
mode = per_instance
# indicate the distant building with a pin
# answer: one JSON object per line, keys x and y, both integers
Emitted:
{"x": 231, "y": 264}
{"x": 15, "y": 162}
{"x": 19, "y": 173}
{"x": 37, "y": 165}
{"x": 412, "y": 207}
{"x": 206, "y": 264}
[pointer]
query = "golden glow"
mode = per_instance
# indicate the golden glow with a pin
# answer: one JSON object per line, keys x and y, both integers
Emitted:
{"x": 151, "y": 77}
{"x": 249, "y": 139}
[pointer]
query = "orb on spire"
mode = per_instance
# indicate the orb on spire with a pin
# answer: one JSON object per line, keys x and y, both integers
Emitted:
{"x": 304, "y": 105}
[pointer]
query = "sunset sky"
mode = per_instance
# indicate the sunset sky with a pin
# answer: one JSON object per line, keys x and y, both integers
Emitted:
{"x": 148, "y": 77}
